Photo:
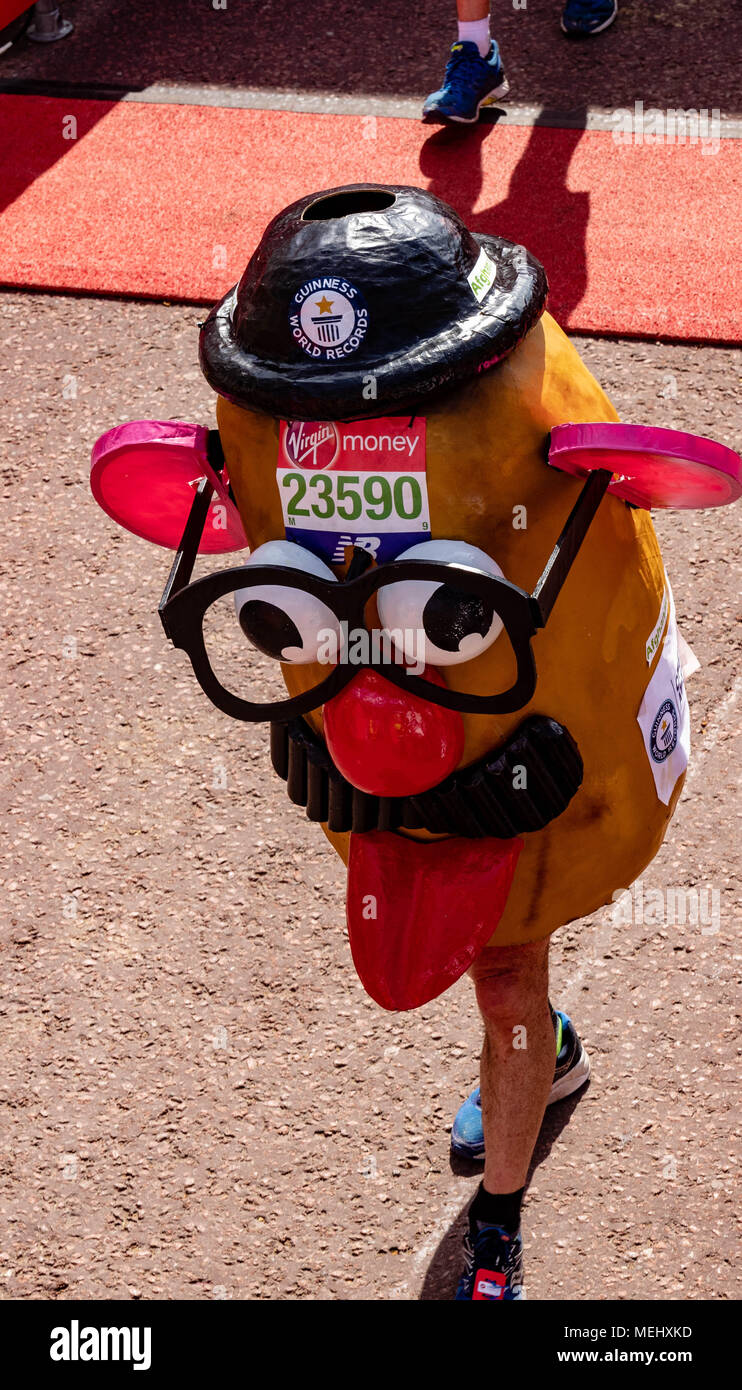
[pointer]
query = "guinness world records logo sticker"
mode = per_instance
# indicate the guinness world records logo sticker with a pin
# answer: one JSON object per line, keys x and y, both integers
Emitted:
{"x": 328, "y": 318}
{"x": 664, "y": 734}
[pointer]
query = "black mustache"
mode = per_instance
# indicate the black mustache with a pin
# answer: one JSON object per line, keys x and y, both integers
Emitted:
{"x": 518, "y": 788}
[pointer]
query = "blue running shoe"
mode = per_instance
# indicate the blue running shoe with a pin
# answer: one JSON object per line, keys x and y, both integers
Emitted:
{"x": 581, "y": 17}
{"x": 493, "y": 1266}
{"x": 470, "y": 83}
{"x": 572, "y": 1071}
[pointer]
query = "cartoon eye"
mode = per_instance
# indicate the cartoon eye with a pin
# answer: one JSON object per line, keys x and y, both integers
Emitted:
{"x": 455, "y": 625}
{"x": 284, "y": 623}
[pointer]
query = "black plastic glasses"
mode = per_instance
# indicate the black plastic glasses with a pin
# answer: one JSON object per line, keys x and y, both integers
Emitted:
{"x": 185, "y": 605}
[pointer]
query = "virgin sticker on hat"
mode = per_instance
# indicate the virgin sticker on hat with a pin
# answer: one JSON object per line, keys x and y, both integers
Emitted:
{"x": 328, "y": 318}
{"x": 362, "y": 483}
{"x": 663, "y": 715}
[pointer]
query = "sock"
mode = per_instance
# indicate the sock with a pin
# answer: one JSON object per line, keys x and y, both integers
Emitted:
{"x": 497, "y": 1208}
{"x": 476, "y": 31}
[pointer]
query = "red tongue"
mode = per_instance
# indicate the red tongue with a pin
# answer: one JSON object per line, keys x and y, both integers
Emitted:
{"x": 420, "y": 911}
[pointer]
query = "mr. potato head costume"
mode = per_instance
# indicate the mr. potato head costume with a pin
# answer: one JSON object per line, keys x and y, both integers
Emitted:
{"x": 452, "y": 566}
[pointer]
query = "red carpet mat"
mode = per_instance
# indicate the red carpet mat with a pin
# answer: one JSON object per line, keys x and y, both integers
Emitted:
{"x": 169, "y": 201}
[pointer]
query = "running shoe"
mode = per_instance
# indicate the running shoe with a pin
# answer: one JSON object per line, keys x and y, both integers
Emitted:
{"x": 470, "y": 83}
{"x": 493, "y": 1265}
{"x": 582, "y": 17}
{"x": 572, "y": 1071}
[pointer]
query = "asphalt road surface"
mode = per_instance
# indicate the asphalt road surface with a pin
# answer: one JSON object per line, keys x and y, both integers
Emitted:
{"x": 200, "y": 1099}
{"x": 664, "y": 52}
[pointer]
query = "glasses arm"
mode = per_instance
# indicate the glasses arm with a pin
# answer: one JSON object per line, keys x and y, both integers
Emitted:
{"x": 182, "y": 566}
{"x": 573, "y": 534}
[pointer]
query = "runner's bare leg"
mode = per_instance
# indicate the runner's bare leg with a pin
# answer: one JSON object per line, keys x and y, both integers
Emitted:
{"x": 517, "y": 1064}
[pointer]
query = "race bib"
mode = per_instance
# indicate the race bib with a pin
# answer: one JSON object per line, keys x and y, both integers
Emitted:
{"x": 663, "y": 715}
{"x": 362, "y": 483}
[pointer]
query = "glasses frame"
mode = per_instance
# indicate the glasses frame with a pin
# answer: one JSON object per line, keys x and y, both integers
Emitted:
{"x": 184, "y": 605}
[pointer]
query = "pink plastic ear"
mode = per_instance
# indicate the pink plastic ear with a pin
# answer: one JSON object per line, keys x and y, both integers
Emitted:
{"x": 651, "y": 467}
{"x": 144, "y": 474}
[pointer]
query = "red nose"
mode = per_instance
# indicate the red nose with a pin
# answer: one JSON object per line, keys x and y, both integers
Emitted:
{"x": 388, "y": 742}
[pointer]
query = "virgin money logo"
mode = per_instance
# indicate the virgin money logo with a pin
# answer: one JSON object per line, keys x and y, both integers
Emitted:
{"x": 307, "y": 444}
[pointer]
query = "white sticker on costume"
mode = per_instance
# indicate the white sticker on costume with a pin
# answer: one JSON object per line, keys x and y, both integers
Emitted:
{"x": 362, "y": 483}
{"x": 653, "y": 641}
{"x": 482, "y": 277}
{"x": 663, "y": 715}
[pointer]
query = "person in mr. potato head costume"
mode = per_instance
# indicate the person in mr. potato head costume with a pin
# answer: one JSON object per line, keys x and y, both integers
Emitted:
{"x": 453, "y": 562}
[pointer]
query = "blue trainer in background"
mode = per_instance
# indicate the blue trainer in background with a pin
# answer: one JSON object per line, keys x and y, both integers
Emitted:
{"x": 572, "y": 1071}
{"x": 583, "y": 17}
{"x": 470, "y": 83}
{"x": 474, "y": 74}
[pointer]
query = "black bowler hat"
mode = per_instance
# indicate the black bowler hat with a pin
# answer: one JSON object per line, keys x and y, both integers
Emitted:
{"x": 364, "y": 301}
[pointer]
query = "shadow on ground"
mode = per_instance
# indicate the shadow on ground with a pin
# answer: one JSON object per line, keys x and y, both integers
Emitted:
{"x": 452, "y": 159}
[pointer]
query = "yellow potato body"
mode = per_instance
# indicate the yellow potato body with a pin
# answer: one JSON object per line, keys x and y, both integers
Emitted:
{"x": 486, "y": 461}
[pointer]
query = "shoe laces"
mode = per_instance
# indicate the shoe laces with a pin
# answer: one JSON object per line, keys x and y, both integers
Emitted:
{"x": 495, "y": 1241}
{"x": 468, "y": 1254}
{"x": 461, "y": 68}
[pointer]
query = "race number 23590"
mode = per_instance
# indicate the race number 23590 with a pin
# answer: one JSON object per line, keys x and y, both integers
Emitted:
{"x": 311, "y": 499}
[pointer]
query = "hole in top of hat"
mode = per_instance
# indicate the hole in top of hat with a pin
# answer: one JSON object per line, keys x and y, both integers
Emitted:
{"x": 343, "y": 204}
